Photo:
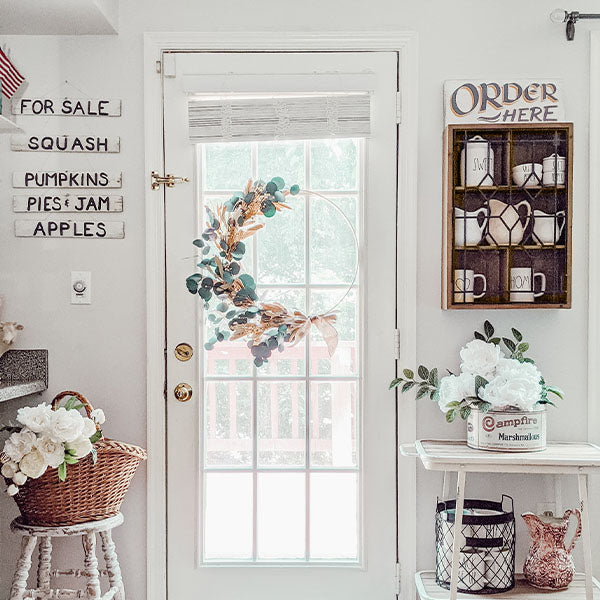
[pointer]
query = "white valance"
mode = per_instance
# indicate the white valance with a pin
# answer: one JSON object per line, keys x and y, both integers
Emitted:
{"x": 292, "y": 117}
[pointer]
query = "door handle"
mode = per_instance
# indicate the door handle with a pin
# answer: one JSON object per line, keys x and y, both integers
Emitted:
{"x": 183, "y": 392}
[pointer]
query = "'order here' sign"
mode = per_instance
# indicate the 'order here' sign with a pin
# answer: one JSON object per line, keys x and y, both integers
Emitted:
{"x": 503, "y": 101}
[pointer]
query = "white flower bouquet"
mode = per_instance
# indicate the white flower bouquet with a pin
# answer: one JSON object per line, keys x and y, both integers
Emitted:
{"x": 490, "y": 378}
{"x": 48, "y": 437}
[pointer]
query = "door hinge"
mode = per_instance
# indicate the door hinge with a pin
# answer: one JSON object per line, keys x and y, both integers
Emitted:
{"x": 397, "y": 344}
{"x": 158, "y": 66}
{"x": 398, "y": 580}
{"x": 398, "y": 107}
{"x": 169, "y": 180}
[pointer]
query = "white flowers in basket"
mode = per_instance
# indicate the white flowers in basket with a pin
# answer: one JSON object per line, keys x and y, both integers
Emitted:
{"x": 488, "y": 378}
{"x": 47, "y": 438}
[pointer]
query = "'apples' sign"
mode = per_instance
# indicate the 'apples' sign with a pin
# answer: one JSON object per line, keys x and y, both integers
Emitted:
{"x": 518, "y": 101}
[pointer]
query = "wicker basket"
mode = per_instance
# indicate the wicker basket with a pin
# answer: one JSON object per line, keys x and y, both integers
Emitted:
{"x": 91, "y": 492}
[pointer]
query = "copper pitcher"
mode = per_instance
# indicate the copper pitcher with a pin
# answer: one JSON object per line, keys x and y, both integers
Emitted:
{"x": 549, "y": 564}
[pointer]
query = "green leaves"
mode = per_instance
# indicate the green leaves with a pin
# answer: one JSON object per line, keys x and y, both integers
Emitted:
{"x": 517, "y": 334}
{"x": 479, "y": 383}
{"x": 489, "y": 329}
{"x": 408, "y": 374}
{"x": 509, "y": 344}
{"x": 248, "y": 281}
{"x": 423, "y": 372}
{"x": 62, "y": 471}
{"x": 451, "y": 415}
{"x": 96, "y": 436}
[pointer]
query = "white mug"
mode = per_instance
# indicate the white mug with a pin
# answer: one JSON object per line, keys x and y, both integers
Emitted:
{"x": 551, "y": 178}
{"x": 467, "y": 230}
{"x": 547, "y": 228}
{"x": 522, "y": 284}
{"x": 472, "y": 570}
{"x": 464, "y": 285}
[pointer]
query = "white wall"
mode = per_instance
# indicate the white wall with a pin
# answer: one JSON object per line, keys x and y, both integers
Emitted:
{"x": 100, "y": 350}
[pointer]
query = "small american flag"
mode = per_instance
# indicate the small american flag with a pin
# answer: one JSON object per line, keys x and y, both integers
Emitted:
{"x": 9, "y": 76}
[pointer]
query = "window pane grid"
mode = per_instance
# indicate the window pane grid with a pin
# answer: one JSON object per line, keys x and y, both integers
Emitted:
{"x": 311, "y": 380}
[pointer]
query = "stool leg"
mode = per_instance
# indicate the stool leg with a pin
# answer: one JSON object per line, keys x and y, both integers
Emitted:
{"x": 112, "y": 564}
{"x": 19, "y": 583}
{"x": 44, "y": 562}
{"x": 91, "y": 565}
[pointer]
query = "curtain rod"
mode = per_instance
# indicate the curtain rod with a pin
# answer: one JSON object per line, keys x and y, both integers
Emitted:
{"x": 560, "y": 15}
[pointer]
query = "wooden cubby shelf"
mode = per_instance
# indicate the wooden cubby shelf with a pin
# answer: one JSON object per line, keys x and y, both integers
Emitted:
{"x": 507, "y": 243}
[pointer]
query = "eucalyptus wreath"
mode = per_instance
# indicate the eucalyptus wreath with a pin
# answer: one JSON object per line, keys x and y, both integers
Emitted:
{"x": 229, "y": 293}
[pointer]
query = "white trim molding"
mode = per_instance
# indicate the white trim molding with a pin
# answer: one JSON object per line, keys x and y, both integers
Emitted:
{"x": 155, "y": 47}
{"x": 594, "y": 240}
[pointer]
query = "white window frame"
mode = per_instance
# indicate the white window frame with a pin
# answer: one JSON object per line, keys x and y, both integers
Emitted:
{"x": 255, "y": 376}
{"x": 156, "y": 66}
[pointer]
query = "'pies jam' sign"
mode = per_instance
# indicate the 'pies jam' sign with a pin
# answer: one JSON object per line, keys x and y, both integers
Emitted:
{"x": 518, "y": 101}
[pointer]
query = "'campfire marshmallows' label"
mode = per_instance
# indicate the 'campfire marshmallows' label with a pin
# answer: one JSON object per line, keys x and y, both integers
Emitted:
{"x": 507, "y": 431}
{"x": 520, "y": 101}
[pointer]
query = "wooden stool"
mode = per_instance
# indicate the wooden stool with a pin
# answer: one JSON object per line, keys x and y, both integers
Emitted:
{"x": 87, "y": 531}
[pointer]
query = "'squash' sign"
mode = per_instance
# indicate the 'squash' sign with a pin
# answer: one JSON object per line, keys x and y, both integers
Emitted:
{"x": 520, "y": 101}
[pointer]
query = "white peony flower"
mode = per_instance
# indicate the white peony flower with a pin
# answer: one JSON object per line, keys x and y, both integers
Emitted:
{"x": 33, "y": 464}
{"x": 9, "y": 469}
{"x": 89, "y": 428}
{"x": 12, "y": 490}
{"x": 19, "y": 478}
{"x": 66, "y": 425}
{"x": 82, "y": 446}
{"x": 480, "y": 358}
{"x": 52, "y": 450}
{"x": 19, "y": 444}
{"x": 455, "y": 388}
{"x": 516, "y": 385}
{"x": 36, "y": 418}
{"x": 98, "y": 416}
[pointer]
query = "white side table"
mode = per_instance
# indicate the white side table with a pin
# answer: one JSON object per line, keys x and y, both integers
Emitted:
{"x": 560, "y": 458}
{"x": 31, "y": 534}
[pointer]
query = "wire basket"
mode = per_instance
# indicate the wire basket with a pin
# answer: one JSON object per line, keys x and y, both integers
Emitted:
{"x": 487, "y": 557}
{"x": 91, "y": 492}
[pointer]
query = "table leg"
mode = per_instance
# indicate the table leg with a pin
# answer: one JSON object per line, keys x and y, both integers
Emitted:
{"x": 585, "y": 526}
{"x": 91, "y": 566}
{"x": 19, "y": 583}
{"x": 458, "y": 537}
{"x": 44, "y": 563}
{"x": 112, "y": 564}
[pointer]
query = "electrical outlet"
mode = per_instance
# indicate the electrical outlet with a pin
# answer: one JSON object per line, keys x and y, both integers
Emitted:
{"x": 543, "y": 507}
{"x": 81, "y": 287}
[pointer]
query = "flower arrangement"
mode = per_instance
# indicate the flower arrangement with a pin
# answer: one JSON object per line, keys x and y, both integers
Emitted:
{"x": 490, "y": 378}
{"x": 48, "y": 437}
{"x": 229, "y": 294}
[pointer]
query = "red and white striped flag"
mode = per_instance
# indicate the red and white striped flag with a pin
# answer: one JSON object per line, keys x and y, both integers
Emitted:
{"x": 9, "y": 76}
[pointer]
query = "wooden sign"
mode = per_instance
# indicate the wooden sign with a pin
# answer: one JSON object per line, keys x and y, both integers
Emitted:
{"x": 67, "y": 107}
{"x": 517, "y": 101}
{"x": 67, "y": 203}
{"x": 66, "y": 179}
{"x": 64, "y": 143}
{"x": 70, "y": 229}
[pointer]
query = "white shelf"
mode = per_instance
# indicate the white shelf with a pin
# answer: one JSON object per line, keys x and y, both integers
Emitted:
{"x": 8, "y": 126}
{"x": 428, "y": 589}
{"x": 558, "y": 458}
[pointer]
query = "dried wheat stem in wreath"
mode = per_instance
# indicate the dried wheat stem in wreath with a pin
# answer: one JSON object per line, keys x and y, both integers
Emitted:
{"x": 229, "y": 294}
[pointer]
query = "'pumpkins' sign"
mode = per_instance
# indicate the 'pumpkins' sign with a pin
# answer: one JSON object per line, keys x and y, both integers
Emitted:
{"x": 503, "y": 101}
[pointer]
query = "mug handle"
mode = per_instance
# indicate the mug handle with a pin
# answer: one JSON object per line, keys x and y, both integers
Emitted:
{"x": 483, "y": 211}
{"x": 484, "y": 285}
{"x": 543, "y": 289}
{"x": 577, "y": 533}
{"x": 560, "y": 213}
{"x": 528, "y": 211}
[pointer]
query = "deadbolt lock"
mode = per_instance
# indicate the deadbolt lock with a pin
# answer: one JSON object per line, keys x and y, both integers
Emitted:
{"x": 183, "y": 352}
{"x": 183, "y": 392}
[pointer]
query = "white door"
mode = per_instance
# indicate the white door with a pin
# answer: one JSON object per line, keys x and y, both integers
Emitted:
{"x": 281, "y": 478}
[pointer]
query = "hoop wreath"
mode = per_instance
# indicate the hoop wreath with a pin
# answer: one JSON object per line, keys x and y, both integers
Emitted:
{"x": 229, "y": 294}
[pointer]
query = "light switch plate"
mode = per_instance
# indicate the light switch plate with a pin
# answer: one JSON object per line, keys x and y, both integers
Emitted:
{"x": 81, "y": 287}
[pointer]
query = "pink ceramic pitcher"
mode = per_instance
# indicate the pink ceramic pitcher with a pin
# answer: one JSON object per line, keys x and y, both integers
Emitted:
{"x": 549, "y": 564}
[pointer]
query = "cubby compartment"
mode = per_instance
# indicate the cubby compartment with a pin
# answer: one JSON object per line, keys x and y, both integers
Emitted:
{"x": 507, "y": 216}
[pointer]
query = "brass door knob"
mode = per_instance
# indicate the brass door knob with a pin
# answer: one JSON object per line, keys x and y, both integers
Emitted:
{"x": 183, "y": 392}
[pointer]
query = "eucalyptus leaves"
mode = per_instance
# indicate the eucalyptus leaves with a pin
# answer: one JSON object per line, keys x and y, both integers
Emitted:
{"x": 229, "y": 294}
{"x": 494, "y": 374}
